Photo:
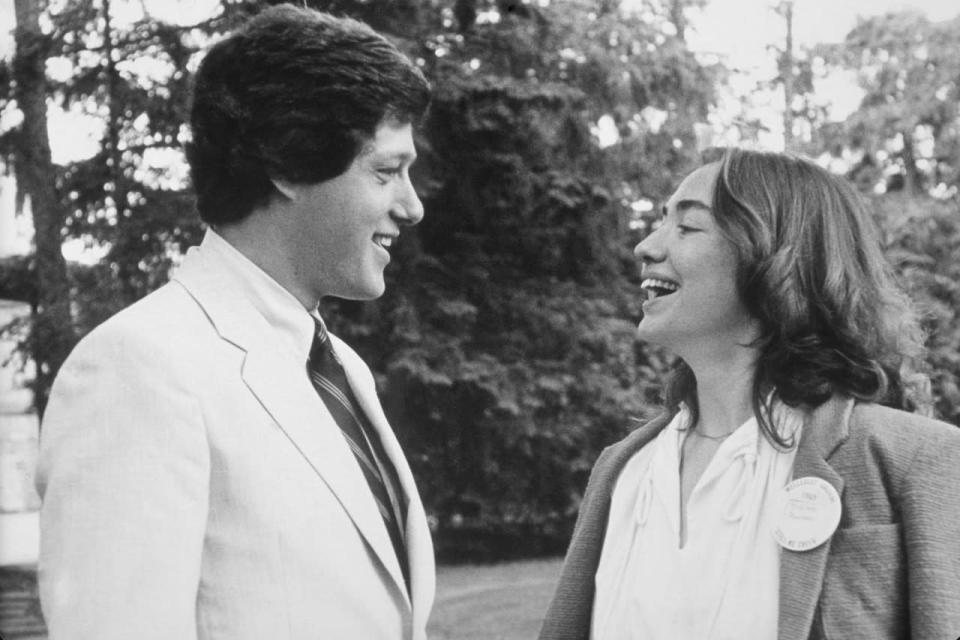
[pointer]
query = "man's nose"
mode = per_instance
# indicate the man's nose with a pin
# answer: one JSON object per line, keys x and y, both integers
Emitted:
{"x": 408, "y": 208}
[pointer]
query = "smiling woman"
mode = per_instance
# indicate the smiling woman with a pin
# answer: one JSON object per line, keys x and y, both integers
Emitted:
{"x": 776, "y": 496}
{"x": 689, "y": 266}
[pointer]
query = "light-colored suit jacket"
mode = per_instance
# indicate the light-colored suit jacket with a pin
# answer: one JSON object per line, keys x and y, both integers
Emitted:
{"x": 195, "y": 486}
{"x": 892, "y": 568}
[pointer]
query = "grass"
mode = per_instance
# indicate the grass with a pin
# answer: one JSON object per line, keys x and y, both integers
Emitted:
{"x": 492, "y": 602}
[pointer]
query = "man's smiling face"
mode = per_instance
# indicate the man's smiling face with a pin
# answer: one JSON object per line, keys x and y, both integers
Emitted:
{"x": 344, "y": 228}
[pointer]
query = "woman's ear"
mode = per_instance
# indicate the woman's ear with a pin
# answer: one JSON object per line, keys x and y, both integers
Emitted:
{"x": 287, "y": 189}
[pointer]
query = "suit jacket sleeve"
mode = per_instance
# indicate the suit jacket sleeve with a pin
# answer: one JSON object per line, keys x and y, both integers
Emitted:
{"x": 931, "y": 521}
{"x": 123, "y": 474}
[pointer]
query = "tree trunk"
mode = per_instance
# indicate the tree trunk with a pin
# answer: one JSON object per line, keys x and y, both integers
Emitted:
{"x": 786, "y": 72}
{"x": 465, "y": 11}
{"x": 912, "y": 179}
{"x": 52, "y": 334}
{"x": 678, "y": 18}
{"x": 128, "y": 274}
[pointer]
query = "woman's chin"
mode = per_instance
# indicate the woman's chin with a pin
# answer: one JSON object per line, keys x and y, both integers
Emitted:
{"x": 651, "y": 331}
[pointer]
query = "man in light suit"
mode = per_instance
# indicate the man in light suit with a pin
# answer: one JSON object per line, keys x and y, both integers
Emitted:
{"x": 198, "y": 480}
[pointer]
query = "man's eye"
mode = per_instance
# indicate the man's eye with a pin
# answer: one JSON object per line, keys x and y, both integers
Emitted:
{"x": 685, "y": 229}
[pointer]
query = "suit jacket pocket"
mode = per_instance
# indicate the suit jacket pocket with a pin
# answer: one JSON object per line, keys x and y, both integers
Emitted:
{"x": 865, "y": 589}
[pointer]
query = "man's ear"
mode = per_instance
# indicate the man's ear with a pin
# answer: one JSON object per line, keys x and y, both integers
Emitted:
{"x": 287, "y": 189}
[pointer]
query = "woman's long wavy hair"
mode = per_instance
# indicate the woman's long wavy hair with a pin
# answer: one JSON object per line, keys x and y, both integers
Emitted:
{"x": 810, "y": 269}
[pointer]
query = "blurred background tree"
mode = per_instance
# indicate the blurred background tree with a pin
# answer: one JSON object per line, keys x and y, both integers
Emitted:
{"x": 905, "y": 131}
{"x": 504, "y": 348}
{"x": 902, "y": 146}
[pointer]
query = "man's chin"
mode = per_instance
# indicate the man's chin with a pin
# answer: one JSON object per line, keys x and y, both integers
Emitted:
{"x": 370, "y": 291}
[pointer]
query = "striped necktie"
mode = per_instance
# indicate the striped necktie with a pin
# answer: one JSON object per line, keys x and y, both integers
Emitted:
{"x": 330, "y": 380}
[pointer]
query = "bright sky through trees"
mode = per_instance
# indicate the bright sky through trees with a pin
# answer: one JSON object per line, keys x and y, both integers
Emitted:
{"x": 741, "y": 33}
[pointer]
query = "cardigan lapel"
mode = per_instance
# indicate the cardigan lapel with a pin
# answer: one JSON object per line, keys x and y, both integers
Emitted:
{"x": 571, "y": 610}
{"x": 802, "y": 572}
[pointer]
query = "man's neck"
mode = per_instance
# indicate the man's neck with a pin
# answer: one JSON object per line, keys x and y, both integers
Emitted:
{"x": 261, "y": 243}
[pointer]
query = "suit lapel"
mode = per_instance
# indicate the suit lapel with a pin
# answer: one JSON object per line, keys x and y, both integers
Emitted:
{"x": 802, "y": 572}
{"x": 280, "y": 383}
{"x": 300, "y": 413}
{"x": 417, "y": 534}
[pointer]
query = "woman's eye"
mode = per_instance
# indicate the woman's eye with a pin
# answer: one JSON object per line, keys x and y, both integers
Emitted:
{"x": 390, "y": 172}
{"x": 685, "y": 229}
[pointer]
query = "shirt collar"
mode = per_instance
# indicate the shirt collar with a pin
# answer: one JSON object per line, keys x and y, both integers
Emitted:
{"x": 293, "y": 324}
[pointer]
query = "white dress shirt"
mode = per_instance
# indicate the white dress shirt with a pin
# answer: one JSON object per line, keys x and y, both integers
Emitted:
{"x": 723, "y": 583}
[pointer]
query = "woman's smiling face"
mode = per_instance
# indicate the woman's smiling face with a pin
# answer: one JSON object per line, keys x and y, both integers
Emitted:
{"x": 690, "y": 274}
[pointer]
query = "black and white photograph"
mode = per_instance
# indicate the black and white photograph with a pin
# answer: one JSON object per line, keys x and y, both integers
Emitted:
{"x": 479, "y": 320}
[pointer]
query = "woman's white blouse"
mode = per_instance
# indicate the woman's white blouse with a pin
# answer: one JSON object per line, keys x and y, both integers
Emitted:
{"x": 724, "y": 583}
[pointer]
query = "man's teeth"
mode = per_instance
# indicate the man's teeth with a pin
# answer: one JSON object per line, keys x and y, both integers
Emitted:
{"x": 384, "y": 241}
{"x": 656, "y": 287}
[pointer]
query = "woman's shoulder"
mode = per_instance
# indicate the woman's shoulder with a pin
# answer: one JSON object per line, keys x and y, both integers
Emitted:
{"x": 874, "y": 420}
{"x": 619, "y": 451}
{"x": 900, "y": 434}
{"x": 615, "y": 457}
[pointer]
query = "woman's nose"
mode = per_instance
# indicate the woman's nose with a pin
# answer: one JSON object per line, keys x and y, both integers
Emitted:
{"x": 650, "y": 249}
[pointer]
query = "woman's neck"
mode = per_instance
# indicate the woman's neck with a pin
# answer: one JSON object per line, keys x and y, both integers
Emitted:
{"x": 724, "y": 388}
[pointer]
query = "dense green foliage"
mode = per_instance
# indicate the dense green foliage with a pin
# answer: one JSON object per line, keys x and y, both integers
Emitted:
{"x": 504, "y": 347}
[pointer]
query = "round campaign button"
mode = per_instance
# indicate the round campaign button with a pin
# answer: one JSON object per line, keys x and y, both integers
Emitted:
{"x": 807, "y": 514}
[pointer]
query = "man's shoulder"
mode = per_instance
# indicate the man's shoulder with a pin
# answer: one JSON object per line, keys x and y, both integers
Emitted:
{"x": 169, "y": 312}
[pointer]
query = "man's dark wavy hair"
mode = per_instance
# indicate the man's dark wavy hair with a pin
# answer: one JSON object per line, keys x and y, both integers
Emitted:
{"x": 810, "y": 268}
{"x": 295, "y": 94}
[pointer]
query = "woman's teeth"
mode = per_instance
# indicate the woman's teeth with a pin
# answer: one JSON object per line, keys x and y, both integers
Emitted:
{"x": 656, "y": 287}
